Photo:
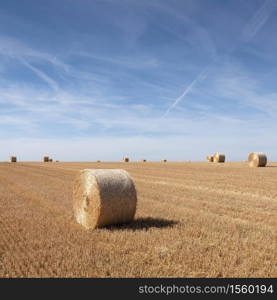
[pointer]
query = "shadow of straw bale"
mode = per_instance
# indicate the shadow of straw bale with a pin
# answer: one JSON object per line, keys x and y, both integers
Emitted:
{"x": 144, "y": 224}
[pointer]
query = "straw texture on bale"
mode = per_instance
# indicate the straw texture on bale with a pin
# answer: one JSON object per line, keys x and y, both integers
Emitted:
{"x": 210, "y": 158}
{"x": 219, "y": 158}
{"x": 46, "y": 158}
{"x": 257, "y": 159}
{"x": 126, "y": 159}
{"x": 103, "y": 197}
{"x": 13, "y": 159}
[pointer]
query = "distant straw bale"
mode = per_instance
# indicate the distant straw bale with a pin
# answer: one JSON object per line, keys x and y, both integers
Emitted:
{"x": 210, "y": 158}
{"x": 126, "y": 159}
{"x": 103, "y": 197}
{"x": 164, "y": 160}
{"x": 46, "y": 158}
{"x": 144, "y": 160}
{"x": 50, "y": 160}
{"x": 257, "y": 159}
{"x": 13, "y": 159}
{"x": 219, "y": 158}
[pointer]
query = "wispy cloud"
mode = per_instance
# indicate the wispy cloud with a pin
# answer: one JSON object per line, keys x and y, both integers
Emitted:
{"x": 246, "y": 92}
{"x": 14, "y": 48}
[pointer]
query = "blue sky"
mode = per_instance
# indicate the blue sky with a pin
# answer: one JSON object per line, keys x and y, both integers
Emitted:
{"x": 101, "y": 79}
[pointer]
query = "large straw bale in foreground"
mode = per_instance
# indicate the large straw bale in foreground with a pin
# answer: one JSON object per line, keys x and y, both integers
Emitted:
{"x": 257, "y": 159}
{"x": 13, "y": 159}
{"x": 103, "y": 197}
{"x": 219, "y": 157}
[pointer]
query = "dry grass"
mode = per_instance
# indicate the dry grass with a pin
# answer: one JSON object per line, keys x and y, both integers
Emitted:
{"x": 193, "y": 220}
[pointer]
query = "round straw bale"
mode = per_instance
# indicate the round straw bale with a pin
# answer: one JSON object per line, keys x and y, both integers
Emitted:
{"x": 219, "y": 158}
{"x": 126, "y": 159}
{"x": 13, "y": 159}
{"x": 257, "y": 159}
{"x": 210, "y": 158}
{"x": 103, "y": 197}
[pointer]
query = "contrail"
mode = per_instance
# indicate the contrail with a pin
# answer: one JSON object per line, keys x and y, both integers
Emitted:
{"x": 249, "y": 31}
{"x": 200, "y": 76}
{"x": 258, "y": 20}
{"x": 41, "y": 75}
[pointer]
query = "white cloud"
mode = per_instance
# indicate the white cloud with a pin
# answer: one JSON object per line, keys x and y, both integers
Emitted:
{"x": 247, "y": 92}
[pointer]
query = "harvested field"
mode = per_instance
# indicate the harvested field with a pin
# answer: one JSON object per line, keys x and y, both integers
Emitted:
{"x": 192, "y": 220}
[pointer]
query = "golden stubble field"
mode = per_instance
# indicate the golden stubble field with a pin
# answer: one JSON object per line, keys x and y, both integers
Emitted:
{"x": 192, "y": 220}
